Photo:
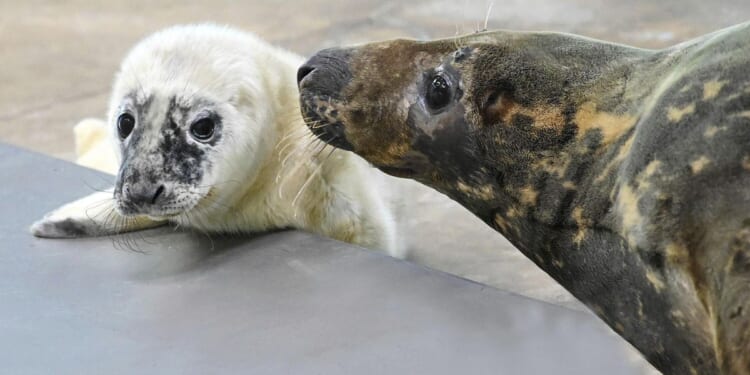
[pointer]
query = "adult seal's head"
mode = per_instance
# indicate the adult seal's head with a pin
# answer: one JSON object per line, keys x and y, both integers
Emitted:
{"x": 180, "y": 114}
{"x": 621, "y": 172}
{"x": 402, "y": 102}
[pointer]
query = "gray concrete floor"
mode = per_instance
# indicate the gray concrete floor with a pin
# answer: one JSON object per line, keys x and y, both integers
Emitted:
{"x": 58, "y": 59}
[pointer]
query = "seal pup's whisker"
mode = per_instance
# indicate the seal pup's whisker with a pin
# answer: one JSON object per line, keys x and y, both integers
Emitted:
{"x": 291, "y": 139}
{"x": 198, "y": 228}
{"x": 304, "y": 155}
{"x": 303, "y": 187}
{"x": 311, "y": 147}
{"x": 102, "y": 203}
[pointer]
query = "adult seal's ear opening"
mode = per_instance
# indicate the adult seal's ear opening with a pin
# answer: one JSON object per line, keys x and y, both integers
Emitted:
{"x": 621, "y": 172}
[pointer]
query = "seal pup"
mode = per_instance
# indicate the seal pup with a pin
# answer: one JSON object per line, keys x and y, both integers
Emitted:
{"x": 621, "y": 172}
{"x": 206, "y": 125}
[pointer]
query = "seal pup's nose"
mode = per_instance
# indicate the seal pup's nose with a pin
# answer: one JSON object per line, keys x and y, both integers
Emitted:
{"x": 326, "y": 72}
{"x": 142, "y": 195}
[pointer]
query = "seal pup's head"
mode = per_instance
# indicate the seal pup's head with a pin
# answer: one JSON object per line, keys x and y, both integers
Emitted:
{"x": 191, "y": 119}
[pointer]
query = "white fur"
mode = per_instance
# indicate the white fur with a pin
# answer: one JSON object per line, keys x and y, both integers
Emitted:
{"x": 269, "y": 172}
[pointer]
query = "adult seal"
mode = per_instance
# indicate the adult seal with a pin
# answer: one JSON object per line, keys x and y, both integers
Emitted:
{"x": 621, "y": 172}
{"x": 206, "y": 125}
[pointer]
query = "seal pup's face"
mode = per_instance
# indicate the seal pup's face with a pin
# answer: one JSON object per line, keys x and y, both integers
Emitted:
{"x": 168, "y": 145}
{"x": 406, "y": 110}
{"x": 185, "y": 118}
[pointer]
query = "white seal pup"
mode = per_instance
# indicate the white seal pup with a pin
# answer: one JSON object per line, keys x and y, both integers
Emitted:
{"x": 208, "y": 134}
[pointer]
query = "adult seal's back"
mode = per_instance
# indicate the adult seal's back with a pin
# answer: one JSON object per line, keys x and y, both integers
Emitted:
{"x": 206, "y": 125}
{"x": 622, "y": 172}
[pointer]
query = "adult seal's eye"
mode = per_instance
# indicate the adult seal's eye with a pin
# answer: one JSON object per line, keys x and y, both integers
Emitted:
{"x": 203, "y": 129}
{"x": 125, "y": 125}
{"x": 438, "y": 93}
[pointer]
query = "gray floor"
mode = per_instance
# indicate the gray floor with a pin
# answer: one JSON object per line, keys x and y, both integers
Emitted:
{"x": 280, "y": 303}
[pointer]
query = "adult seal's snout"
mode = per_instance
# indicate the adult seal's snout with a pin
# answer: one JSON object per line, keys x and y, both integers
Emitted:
{"x": 326, "y": 73}
{"x": 321, "y": 80}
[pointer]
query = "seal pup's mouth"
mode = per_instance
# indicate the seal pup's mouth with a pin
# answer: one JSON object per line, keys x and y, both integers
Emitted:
{"x": 164, "y": 204}
{"x": 154, "y": 213}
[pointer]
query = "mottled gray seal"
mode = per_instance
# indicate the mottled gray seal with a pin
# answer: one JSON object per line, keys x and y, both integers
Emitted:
{"x": 622, "y": 172}
{"x": 207, "y": 128}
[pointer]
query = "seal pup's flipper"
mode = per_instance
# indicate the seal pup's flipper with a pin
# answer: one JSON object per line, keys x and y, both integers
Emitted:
{"x": 93, "y": 215}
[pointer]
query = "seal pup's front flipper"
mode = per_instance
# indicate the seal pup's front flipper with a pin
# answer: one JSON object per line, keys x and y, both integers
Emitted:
{"x": 93, "y": 215}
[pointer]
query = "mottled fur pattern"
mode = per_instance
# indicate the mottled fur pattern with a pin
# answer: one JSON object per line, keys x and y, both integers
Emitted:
{"x": 621, "y": 172}
{"x": 260, "y": 170}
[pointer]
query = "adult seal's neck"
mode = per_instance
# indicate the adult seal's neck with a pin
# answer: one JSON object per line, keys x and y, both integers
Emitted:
{"x": 556, "y": 128}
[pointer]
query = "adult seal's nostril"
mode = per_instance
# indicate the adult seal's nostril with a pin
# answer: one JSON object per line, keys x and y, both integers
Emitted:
{"x": 326, "y": 73}
{"x": 303, "y": 72}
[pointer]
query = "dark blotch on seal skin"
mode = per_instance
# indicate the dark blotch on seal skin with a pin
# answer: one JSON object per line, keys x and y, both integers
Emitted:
{"x": 151, "y": 171}
{"x": 66, "y": 228}
{"x": 621, "y": 172}
{"x": 71, "y": 229}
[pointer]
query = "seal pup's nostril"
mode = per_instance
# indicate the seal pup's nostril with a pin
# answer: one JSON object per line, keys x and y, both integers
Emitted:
{"x": 159, "y": 191}
{"x": 303, "y": 71}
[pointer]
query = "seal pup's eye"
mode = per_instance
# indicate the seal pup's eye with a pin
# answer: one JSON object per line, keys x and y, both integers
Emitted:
{"x": 125, "y": 125}
{"x": 202, "y": 129}
{"x": 438, "y": 93}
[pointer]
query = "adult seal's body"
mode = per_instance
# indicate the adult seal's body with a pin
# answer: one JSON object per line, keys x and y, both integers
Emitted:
{"x": 622, "y": 172}
{"x": 206, "y": 124}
